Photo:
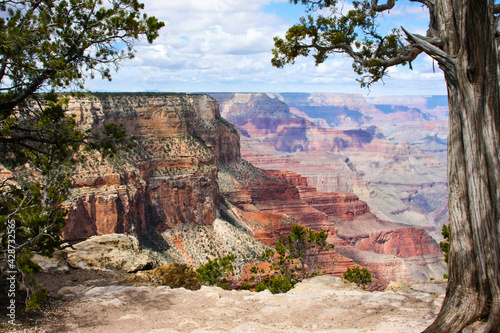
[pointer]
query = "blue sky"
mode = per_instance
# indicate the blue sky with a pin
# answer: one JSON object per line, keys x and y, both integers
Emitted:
{"x": 225, "y": 46}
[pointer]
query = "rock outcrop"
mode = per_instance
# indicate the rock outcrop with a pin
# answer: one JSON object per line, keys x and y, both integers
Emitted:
{"x": 169, "y": 178}
{"x": 112, "y": 251}
{"x": 320, "y": 304}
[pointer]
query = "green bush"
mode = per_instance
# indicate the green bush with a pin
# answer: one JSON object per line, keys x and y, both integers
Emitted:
{"x": 245, "y": 286}
{"x": 276, "y": 284}
{"x": 217, "y": 271}
{"x": 359, "y": 276}
{"x": 298, "y": 255}
{"x": 445, "y": 245}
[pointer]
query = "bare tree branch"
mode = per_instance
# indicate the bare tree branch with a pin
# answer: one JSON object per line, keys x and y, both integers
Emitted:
{"x": 431, "y": 40}
{"x": 445, "y": 60}
{"x": 427, "y": 3}
{"x": 410, "y": 55}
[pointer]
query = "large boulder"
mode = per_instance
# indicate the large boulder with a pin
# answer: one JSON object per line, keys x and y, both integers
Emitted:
{"x": 117, "y": 252}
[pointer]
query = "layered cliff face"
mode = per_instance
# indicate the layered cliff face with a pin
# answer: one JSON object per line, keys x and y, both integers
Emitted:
{"x": 388, "y": 113}
{"x": 269, "y": 204}
{"x": 264, "y": 199}
{"x": 169, "y": 178}
{"x": 391, "y": 152}
{"x": 397, "y": 179}
{"x": 185, "y": 179}
{"x": 265, "y": 118}
{"x": 173, "y": 116}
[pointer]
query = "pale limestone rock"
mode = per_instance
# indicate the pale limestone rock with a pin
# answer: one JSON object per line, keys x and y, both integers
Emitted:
{"x": 57, "y": 262}
{"x": 320, "y": 304}
{"x": 113, "y": 251}
{"x": 398, "y": 285}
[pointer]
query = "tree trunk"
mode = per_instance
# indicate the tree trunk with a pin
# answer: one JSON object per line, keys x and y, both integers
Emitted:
{"x": 472, "y": 302}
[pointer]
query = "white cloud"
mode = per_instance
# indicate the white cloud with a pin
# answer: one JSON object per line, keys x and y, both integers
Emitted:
{"x": 405, "y": 11}
{"x": 215, "y": 45}
{"x": 159, "y": 7}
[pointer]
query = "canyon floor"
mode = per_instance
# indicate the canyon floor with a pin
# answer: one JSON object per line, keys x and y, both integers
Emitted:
{"x": 83, "y": 301}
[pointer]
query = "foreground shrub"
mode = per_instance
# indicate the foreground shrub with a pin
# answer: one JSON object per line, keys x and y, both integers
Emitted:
{"x": 276, "y": 284}
{"x": 445, "y": 245}
{"x": 216, "y": 272}
{"x": 296, "y": 258}
{"x": 359, "y": 276}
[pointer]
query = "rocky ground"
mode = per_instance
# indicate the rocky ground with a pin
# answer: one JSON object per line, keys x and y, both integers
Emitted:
{"x": 93, "y": 301}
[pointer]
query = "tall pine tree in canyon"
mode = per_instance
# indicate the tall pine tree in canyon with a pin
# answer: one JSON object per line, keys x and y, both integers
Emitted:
{"x": 463, "y": 38}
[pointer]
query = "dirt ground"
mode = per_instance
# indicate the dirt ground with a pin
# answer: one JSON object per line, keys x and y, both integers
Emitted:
{"x": 92, "y": 301}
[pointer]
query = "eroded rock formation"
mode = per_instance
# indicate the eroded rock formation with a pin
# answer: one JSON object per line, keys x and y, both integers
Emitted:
{"x": 169, "y": 178}
{"x": 390, "y": 151}
{"x": 398, "y": 250}
{"x": 185, "y": 173}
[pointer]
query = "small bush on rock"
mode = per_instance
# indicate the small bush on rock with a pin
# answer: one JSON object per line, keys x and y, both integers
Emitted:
{"x": 359, "y": 276}
{"x": 296, "y": 258}
{"x": 245, "y": 286}
{"x": 276, "y": 284}
{"x": 217, "y": 271}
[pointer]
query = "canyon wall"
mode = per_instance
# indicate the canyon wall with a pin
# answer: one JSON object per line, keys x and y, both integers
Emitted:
{"x": 390, "y": 151}
{"x": 168, "y": 178}
{"x": 391, "y": 251}
{"x": 185, "y": 179}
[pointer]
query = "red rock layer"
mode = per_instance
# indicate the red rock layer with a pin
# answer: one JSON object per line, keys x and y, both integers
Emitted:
{"x": 370, "y": 234}
{"x": 269, "y": 203}
{"x": 390, "y": 250}
{"x": 169, "y": 178}
{"x": 266, "y": 227}
{"x": 254, "y": 190}
{"x": 289, "y": 177}
{"x": 337, "y": 204}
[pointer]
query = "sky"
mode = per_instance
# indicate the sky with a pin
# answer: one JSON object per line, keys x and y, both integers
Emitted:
{"x": 225, "y": 46}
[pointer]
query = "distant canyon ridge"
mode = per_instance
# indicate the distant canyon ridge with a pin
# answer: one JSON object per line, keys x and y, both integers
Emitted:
{"x": 231, "y": 173}
{"x": 390, "y": 151}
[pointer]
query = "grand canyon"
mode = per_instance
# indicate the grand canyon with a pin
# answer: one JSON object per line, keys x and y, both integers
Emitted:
{"x": 231, "y": 173}
{"x": 263, "y": 166}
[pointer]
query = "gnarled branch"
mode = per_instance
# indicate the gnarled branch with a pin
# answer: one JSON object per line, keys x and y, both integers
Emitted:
{"x": 446, "y": 61}
{"x": 427, "y": 3}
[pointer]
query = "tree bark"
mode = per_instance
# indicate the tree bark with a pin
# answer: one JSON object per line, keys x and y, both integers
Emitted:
{"x": 472, "y": 302}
